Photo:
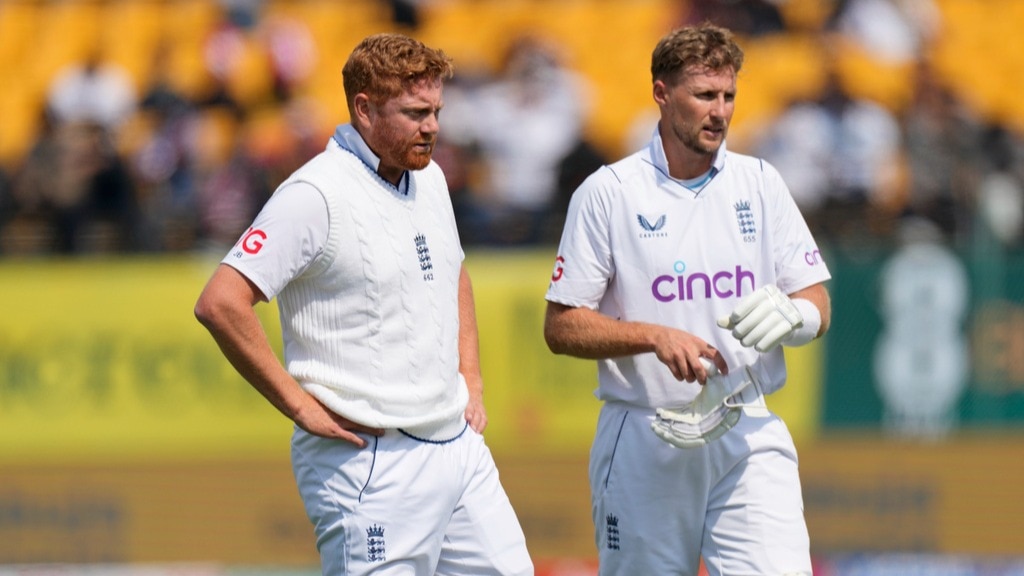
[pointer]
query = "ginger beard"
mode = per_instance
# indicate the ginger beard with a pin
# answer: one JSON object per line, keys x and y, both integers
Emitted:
{"x": 400, "y": 149}
{"x": 405, "y": 129}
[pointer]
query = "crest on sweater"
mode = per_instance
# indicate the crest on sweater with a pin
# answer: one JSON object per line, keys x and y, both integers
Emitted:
{"x": 423, "y": 253}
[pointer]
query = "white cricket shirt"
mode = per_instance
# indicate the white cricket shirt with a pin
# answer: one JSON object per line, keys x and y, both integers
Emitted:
{"x": 638, "y": 245}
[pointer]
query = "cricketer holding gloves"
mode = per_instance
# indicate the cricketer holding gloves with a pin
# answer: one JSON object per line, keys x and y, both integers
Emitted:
{"x": 684, "y": 270}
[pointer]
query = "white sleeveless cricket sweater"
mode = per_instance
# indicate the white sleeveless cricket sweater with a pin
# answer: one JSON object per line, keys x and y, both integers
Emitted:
{"x": 371, "y": 328}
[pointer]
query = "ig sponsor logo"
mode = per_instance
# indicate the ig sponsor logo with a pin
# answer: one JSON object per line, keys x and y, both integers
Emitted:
{"x": 251, "y": 242}
{"x": 556, "y": 274}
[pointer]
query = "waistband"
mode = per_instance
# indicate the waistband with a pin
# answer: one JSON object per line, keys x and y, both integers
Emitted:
{"x": 439, "y": 433}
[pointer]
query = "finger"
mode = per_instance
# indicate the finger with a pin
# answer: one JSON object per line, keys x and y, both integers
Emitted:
{"x": 479, "y": 424}
{"x": 351, "y": 426}
{"x": 719, "y": 362}
{"x": 774, "y": 337}
{"x": 677, "y": 372}
{"x": 477, "y": 420}
{"x": 691, "y": 374}
{"x": 725, "y": 322}
{"x": 758, "y": 332}
{"x": 752, "y": 319}
{"x": 747, "y": 304}
{"x": 353, "y": 438}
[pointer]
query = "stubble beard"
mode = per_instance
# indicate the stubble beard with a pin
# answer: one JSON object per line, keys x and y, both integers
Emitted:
{"x": 692, "y": 141}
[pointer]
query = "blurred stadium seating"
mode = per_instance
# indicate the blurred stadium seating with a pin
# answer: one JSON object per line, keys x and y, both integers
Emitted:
{"x": 607, "y": 40}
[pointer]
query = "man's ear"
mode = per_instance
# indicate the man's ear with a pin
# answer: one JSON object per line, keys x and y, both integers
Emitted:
{"x": 660, "y": 92}
{"x": 361, "y": 109}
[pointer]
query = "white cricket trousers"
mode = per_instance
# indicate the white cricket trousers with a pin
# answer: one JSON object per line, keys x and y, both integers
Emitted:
{"x": 736, "y": 501}
{"x": 408, "y": 506}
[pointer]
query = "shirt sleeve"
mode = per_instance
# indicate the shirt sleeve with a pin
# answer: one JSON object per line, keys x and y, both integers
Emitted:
{"x": 584, "y": 265}
{"x": 799, "y": 262}
{"x": 287, "y": 236}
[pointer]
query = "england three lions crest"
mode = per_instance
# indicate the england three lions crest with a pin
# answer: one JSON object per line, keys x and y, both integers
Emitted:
{"x": 745, "y": 220}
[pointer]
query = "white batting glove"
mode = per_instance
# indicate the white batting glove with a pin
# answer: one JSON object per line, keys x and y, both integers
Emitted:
{"x": 763, "y": 319}
{"x": 701, "y": 421}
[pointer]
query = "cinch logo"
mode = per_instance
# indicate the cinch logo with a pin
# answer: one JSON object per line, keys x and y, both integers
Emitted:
{"x": 252, "y": 242}
{"x": 724, "y": 284}
{"x": 556, "y": 275}
{"x": 813, "y": 258}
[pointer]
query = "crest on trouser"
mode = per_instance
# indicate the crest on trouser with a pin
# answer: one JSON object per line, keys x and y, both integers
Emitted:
{"x": 375, "y": 544}
{"x": 612, "y": 527}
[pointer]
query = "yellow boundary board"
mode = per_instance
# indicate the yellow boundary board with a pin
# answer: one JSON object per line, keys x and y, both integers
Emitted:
{"x": 103, "y": 359}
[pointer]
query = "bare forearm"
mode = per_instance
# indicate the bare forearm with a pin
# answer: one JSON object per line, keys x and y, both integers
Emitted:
{"x": 469, "y": 338}
{"x": 586, "y": 333}
{"x": 225, "y": 310}
{"x": 250, "y": 354}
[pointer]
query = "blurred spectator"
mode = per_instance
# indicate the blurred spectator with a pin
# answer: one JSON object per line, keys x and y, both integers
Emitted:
{"x": 245, "y": 14}
{"x": 744, "y": 17}
{"x": 292, "y": 53}
{"x": 230, "y": 188}
{"x": 942, "y": 142}
{"x": 891, "y": 30}
{"x": 160, "y": 162}
{"x": 405, "y": 13}
{"x": 75, "y": 192}
{"x": 92, "y": 91}
{"x": 839, "y": 155}
{"x": 7, "y": 207}
{"x": 524, "y": 123}
{"x": 1000, "y": 196}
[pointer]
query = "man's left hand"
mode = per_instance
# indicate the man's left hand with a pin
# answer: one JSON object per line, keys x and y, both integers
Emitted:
{"x": 763, "y": 319}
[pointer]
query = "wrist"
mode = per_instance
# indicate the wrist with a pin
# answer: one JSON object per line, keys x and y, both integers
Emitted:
{"x": 808, "y": 330}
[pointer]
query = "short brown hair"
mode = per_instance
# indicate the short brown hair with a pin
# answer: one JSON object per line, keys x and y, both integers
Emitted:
{"x": 706, "y": 46}
{"x": 383, "y": 65}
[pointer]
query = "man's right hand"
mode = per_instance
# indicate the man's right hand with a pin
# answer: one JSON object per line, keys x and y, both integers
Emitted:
{"x": 317, "y": 419}
{"x": 683, "y": 353}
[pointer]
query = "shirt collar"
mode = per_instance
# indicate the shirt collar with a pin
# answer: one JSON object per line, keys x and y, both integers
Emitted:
{"x": 348, "y": 138}
{"x": 661, "y": 161}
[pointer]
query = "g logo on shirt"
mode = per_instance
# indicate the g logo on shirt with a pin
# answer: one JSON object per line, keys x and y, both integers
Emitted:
{"x": 556, "y": 275}
{"x": 252, "y": 241}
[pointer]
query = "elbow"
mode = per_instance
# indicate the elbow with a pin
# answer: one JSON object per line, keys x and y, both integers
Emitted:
{"x": 203, "y": 313}
{"x": 557, "y": 328}
{"x": 551, "y": 337}
{"x": 206, "y": 311}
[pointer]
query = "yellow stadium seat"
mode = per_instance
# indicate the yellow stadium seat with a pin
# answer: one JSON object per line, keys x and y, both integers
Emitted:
{"x": 131, "y": 34}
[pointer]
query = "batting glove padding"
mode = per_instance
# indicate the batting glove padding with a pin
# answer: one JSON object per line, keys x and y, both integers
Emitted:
{"x": 763, "y": 319}
{"x": 706, "y": 418}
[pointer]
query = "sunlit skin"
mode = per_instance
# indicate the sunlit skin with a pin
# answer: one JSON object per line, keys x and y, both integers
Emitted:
{"x": 696, "y": 110}
{"x": 403, "y": 130}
